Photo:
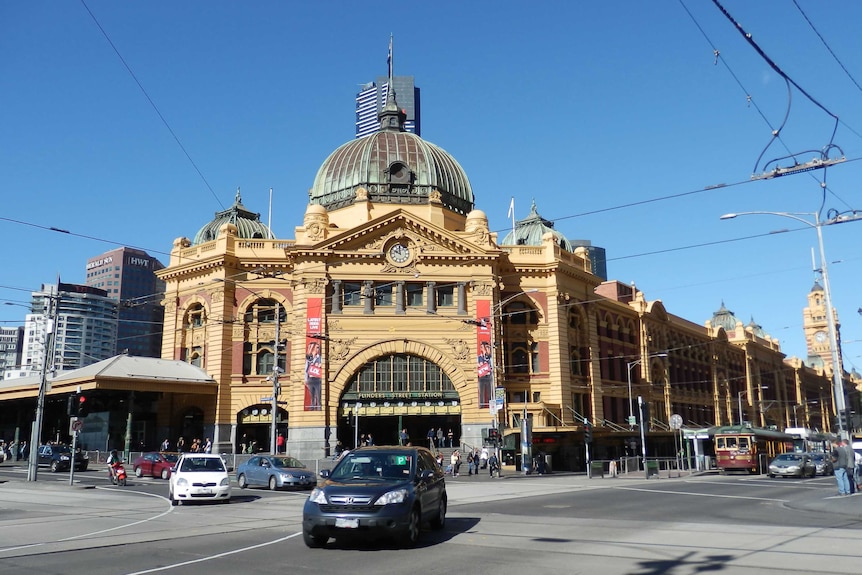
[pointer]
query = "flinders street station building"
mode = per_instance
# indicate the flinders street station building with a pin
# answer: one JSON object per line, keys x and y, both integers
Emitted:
{"x": 395, "y": 307}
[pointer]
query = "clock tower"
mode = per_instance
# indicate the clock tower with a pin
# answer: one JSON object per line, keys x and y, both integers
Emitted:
{"x": 817, "y": 330}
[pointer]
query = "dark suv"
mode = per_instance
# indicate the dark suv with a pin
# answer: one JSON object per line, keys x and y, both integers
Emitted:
{"x": 377, "y": 491}
{"x": 59, "y": 458}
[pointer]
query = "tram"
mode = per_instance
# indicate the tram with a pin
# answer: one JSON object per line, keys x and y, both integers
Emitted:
{"x": 810, "y": 440}
{"x": 740, "y": 448}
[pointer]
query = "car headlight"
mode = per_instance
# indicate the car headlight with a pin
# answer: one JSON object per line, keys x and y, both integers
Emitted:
{"x": 182, "y": 482}
{"x": 225, "y": 481}
{"x": 64, "y": 458}
{"x": 286, "y": 476}
{"x": 317, "y": 496}
{"x": 397, "y": 496}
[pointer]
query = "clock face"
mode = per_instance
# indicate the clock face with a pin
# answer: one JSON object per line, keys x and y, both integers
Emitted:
{"x": 820, "y": 336}
{"x": 399, "y": 253}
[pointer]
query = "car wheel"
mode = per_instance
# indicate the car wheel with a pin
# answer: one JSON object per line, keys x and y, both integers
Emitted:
{"x": 314, "y": 541}
{"x": 166, "y": 473}
{"x": 411, "y": 534}
{"x": 55, "y": 466}
{"x": 241, "y": 481}
{"x": 771, "y": 476}
{"x": 273, "y": 483}
{"x": 139, "y": 472}
{"x": 440, "y": 520}
{"x": 174, "y": 502}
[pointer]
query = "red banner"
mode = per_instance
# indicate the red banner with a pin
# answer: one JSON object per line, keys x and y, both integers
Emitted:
{"x": 313, "y": 357}
{"x": 485, "y": 361}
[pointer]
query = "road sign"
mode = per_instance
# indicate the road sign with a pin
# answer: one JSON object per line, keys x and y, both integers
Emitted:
{"x": 266, "y": 398}
{"x": 633, "y": 420}
{"x": 75, "y": 425}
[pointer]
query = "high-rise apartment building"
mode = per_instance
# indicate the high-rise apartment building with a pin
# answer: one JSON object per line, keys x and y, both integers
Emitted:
{"x": 11, "y": 344}
{"x": 83, "y": 324}
{"x": 128, "y": 276}
{"x": 371, "y": 99}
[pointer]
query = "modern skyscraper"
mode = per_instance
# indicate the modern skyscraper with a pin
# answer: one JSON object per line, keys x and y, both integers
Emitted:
{"x": 11, "y": 345}
{"x": 128, "y": 276}
{"x": 83, "y": 321}
{"x": 371, "y": 99}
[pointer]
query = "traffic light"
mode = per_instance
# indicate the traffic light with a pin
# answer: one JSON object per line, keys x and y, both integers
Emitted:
{"x": 588, "y": 431}
{"x": 83, "y": 405}
{"x": 72, "y": 405}
{"x": 493, "y": 436}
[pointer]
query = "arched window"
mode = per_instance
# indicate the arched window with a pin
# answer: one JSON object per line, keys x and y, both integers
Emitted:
{"x": 259, "y": 348}
{"x": 400, "y": 375}
{"x": 195, "y": 316}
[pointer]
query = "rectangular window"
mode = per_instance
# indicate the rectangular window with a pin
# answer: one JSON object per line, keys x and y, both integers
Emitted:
{"x": 445, "y": 296}
{"x": 537, "y": 397}
{"x": 414, "y": 294}
{"x": 383, "y": 295}
{"x": 352, "y": 294}
{"x": 399, "y": 372}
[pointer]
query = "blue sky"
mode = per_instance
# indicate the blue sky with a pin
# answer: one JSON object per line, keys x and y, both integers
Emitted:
{"x": 583, "y": 107}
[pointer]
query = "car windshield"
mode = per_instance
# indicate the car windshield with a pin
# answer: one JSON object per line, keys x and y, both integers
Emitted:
{"x": 287, "y": 462}
{"x": 818, "y": 457}
{"x": 201, "y": 464}
{"x": 789, "y": 457}
{"x": 171, "y": 457}
{"x": 374, "y": 465}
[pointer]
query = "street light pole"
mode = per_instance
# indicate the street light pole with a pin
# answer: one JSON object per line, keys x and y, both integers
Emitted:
{"x": 837, "y": 369}
{"x": 47, "y": 356}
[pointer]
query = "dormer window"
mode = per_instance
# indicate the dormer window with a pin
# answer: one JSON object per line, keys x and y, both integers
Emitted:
{"x": 399, "y": 173}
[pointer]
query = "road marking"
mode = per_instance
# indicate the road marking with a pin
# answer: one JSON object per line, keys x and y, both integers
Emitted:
{"x": 703, "y": 494}
{"x": 127, "y": 524}
{"x": 216, "y": 556}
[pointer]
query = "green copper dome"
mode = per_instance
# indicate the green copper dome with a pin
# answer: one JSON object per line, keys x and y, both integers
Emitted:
{"x": 247, "y": 223}
{"x": 529, "y": 232}
{"x": 393, "y": 166}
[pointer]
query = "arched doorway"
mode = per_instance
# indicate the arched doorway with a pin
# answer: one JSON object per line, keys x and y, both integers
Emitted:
{"x": 254, "y": 427}
{"x": 394, "y": 392}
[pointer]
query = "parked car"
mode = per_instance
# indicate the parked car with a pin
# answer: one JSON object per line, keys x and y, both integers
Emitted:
{"x": 377, "y": 491}
{"x": 154, "y": 464}
{"x": 792, "y": 465}
{"x": 274, "y": 472}
{"x": 823, "y": 463}
{"x": 59, "y": 458}
{"x": 199, "y": 477}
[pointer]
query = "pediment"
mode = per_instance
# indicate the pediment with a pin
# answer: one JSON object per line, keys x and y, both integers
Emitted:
{"x": 426, "y": 240}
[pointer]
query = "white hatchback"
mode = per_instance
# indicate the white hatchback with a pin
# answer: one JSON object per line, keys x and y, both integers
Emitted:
{"x": 199, "y": 477}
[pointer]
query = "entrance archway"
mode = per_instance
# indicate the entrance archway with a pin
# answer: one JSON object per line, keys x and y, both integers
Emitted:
{"x": 394, "y": 392}
{"x": 254, "y": 426}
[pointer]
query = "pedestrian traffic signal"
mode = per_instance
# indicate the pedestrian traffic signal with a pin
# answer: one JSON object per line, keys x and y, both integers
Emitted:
{"x": 83, "y": 405}
{"x": 72, "y": 405}
{"x": 493, "y": 436}
{"x": 588, "y": 431}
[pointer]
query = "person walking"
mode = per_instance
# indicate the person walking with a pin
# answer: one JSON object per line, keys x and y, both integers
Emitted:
{"x": 455, "y": 460}
{"x": 451, "y": 437}
{"x": 439, "y": 437}
{"x": 851, "y": 465}
{"x": 403, "y": 436}
{"x": 470, "y": 464}
{"x": 431, "y": 436}
{"x": 839, "y": 462}
{"x": 483, "y": 457}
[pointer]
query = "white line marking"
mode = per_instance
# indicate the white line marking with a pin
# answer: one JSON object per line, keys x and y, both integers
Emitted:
{"x": 217, "y": 556}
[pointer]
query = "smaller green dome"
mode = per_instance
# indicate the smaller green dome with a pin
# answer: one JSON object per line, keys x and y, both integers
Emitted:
{"x": 529, "y": 232}
{"x": 247, "y": 223}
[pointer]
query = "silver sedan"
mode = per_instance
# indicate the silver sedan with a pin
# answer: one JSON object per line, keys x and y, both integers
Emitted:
{"x": 274, "y": 472}
{"x": 792, "y": 465}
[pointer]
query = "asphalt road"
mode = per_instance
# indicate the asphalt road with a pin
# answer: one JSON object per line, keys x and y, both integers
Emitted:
{"x": 555, "y": 524}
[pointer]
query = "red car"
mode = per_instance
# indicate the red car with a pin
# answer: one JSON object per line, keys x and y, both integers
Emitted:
{"x": 154, "y": 464}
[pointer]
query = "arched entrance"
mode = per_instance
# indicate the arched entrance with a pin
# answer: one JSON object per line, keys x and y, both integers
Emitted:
{"x": 254, "y": 426}
{"x": 394, "y": 392}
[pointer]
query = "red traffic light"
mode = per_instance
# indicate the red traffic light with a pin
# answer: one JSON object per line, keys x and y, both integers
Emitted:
{"x": 83, "y": 406}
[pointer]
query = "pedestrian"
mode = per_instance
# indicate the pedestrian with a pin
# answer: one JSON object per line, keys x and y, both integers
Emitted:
{"x": 403, "y": 436}
{"x": 857, "y": 476}
{"x": 166, "y": 445}
{"x": 431, "y": 435}
{"x": 839, "y": 463}
{"x": 851, "y": 465}
{"x": 493, "y": 465}
{"x": 440, "y": 459}
{"x": 208, "y": 445}
{"x": 470, "y": 464}
{"x": 369, "y": 440}
{"x": 181, "y": 444}
{"x": 451, "y": 437}
{"x": 279, "y": 443}
{"x": 455, "y": 460}
{"x": 439, "y": 437}
{"x": 483, "y": 457}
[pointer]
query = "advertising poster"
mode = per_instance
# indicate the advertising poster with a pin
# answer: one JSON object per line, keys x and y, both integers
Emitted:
{"x": 485, "y": 362}
{"x": 313, "y": 358}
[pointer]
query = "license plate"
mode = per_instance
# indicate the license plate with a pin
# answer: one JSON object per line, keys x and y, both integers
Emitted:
{"x": 205, "y": 491}
{"x": 347, "y": 523}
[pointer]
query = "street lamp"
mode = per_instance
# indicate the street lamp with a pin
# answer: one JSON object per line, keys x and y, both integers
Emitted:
{"x": 837, "y": 369}
{"x": 739, "y": 399}
{"x": 629, "y": 367}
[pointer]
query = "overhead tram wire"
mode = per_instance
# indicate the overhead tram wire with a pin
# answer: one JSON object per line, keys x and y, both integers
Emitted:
{"x": 153, "y": 104}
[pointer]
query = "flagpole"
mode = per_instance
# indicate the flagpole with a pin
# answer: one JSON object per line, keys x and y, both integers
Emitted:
{"x": 512, "y": 214}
